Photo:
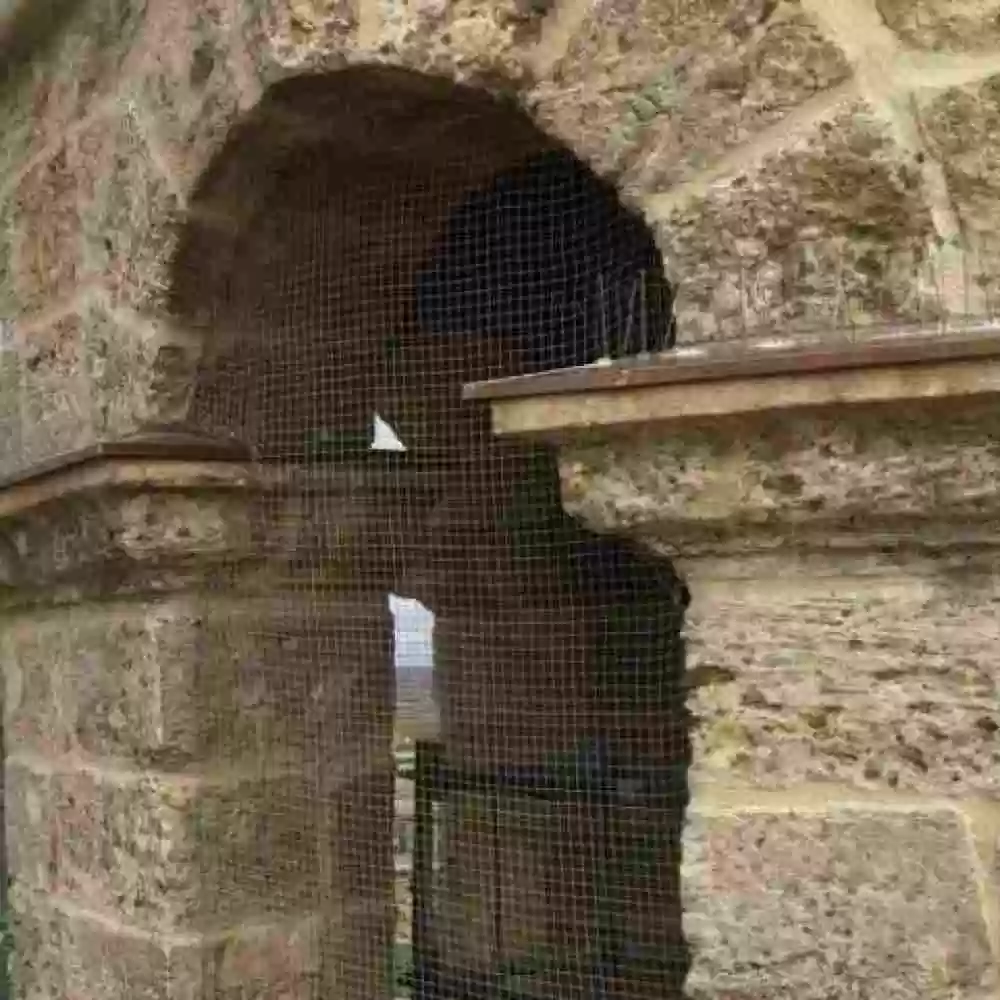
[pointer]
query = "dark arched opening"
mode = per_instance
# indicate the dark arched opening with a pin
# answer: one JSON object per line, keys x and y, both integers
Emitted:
{"x": 365, "y": 244}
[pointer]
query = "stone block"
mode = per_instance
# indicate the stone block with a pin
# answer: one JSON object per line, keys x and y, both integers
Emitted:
{"x": 334, "y": 534}
{"x": 286, "y": 37}
{"x": 8, "y": 296}
{"x": 467, "y": 38}
{"x": 883, "y": 681}
{"x": 944, "y": 25}
{"x": 164, "y": 853}
{"x": 141, "y": 371}
{"x": 32, "y": 824}
{"x": 57, "y": 407}
{"x": 83, "y": 67}
{"x": 129, "y": 221}
{"x": 37, "y": 707}
{"x": 105, "y": 543}
{"x": 960, "y": 127}
{"x": 11, "y": 381}
{"x": 773, "y": 478}
{"x": 482, "y": 42}
{"x": 37, "y": 962}
{"x": 48, "y": 260}
{"x": 888, "y": 682}
{"x": 16, "y": 122}
{"x": 185, "y": 679}
{"x": 661, "y": 90}
{"x": 357, "y": 950}
{"x": 883, "y": 904}
{"x": 831, "y": 232}
{"x": 105, "y": 962}
{"x": 192, "y": 78}
{"x": 96, "y": 208}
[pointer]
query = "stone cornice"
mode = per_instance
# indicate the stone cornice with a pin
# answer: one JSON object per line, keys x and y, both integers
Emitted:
{"x": 871, "y": 446}
{"x": 739, "y": 379}
{"x": 168, "y": 459}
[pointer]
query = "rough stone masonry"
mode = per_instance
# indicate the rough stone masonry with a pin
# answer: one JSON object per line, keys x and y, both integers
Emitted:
{"x": 804, "y": 163}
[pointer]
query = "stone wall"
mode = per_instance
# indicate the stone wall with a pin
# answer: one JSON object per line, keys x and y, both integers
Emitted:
{"x": 843, "y": 831}
{"x": 194, "y": 807}
{"x": 801, "y": 161}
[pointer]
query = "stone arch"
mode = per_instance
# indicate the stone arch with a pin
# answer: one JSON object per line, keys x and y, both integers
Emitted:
{"x": 365, "y": 126}
{"x": 299, "y": 269}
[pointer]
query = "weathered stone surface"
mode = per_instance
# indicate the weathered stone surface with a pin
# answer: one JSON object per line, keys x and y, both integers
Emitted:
{"x": 181, "y": 679}
{"x": 48, "y": 262}
{"x": 886, "y": 682}
{"x": 128, "y": 218}
{"x": 85, "y": 67}
{"x": 779, "y": 479}
{"x": 142, "y": 371}
{"x": 11, "y": 375}
{"x": 852, "y": 903}
{"x": 37, "y": 965}
{"x": 29, "y": 807}
{"x": 482, "y": 41}
{"x": 962, "y": 131}
{"x": 659, "y": 90}
{"x": 18, "y": 131}
{"x": 950, "y": 25}
{"x": 75, "y": 955}
{"x": 103, "y": 545}
{"x": 193, "y": 78}
{"x": 469, "y": 38}
{"x": 96, "y": 209}
{"x": 8, "y": 296}
{"x": 832, "y": 231}
{"x": 285, "y": 36}
{"x": 56, "y": 399}
{"x": 183, "y": 852}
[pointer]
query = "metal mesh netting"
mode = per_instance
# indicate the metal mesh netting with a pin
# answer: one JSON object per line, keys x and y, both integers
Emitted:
{"x": 489, "y": 802}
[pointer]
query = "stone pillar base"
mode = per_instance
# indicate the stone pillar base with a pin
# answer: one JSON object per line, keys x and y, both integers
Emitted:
{"x": 199, "y": 778}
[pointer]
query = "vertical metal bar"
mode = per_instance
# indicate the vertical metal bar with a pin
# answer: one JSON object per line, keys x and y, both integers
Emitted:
{"x": 497, "y": 929}
{"x": 426, "y": 774}
{"x": 643, "y": 316}
{"x": 604, "y": 917}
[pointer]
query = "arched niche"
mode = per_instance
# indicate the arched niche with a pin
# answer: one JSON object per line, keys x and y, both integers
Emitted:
{"x": 310, "y": 269}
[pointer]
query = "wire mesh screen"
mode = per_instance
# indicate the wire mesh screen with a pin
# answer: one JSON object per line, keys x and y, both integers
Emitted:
{"x": 474, "y": 741}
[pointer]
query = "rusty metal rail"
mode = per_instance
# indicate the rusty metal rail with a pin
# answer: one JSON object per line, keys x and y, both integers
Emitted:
{"x": 738, "y": 360}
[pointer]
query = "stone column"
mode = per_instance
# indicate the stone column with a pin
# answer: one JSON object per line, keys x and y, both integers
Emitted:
{"x": 842, "y": 646}
{"x": 199, "y": 779}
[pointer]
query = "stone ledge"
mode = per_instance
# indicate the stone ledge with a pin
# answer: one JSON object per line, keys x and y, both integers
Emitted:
{"x": 160, "y": 506}
{"x": 167, "y": 459}
{"x": 711, "y": 383}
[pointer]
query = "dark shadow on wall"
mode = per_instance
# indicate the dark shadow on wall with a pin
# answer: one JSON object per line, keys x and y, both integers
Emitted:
{"x": 367, "y": 242}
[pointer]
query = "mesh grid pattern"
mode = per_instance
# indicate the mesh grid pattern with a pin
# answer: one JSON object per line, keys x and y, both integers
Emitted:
{"x": 501, "y": 818}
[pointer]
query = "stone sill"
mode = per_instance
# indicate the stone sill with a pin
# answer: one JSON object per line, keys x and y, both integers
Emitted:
{"x": 180, "y": 459}
{"x": 718, "y": 381}
{"x": 162, "y": 459}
